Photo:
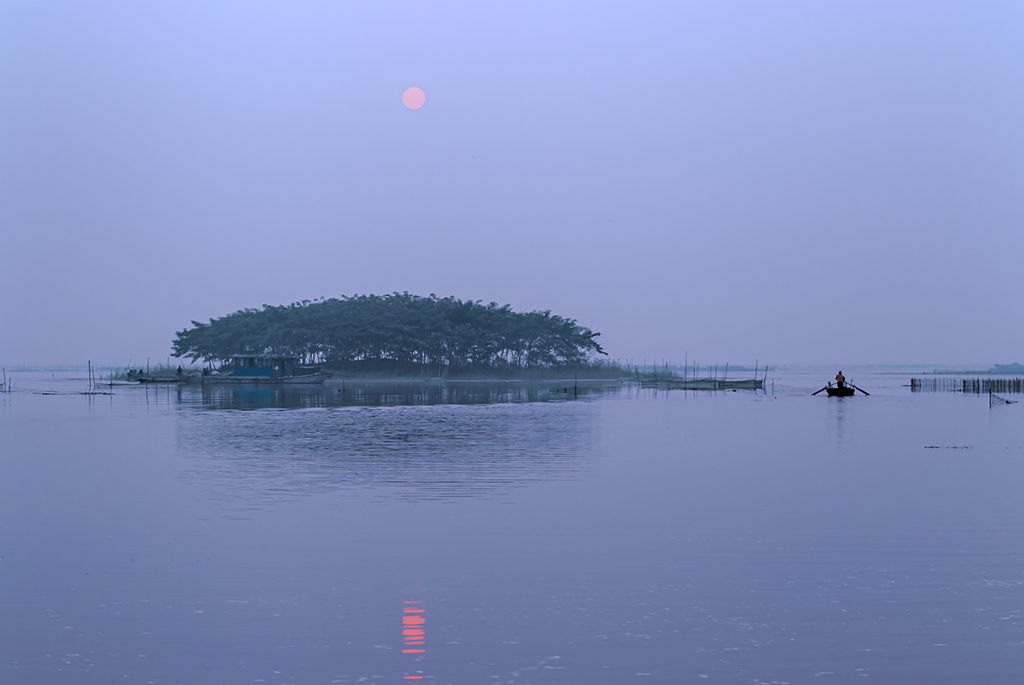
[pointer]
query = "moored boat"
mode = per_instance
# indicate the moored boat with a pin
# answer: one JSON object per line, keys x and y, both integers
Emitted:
{"x": 147, "y": 378}
{"x": 262, "y": 370}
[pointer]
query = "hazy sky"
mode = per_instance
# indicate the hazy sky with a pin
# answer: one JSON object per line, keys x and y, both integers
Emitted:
{"x": 801, "y": 181}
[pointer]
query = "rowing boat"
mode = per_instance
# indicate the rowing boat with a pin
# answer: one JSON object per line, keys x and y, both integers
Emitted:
{"x": 844, "y": 390}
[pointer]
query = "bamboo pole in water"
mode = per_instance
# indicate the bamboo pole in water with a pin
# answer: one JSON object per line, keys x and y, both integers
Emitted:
{"x": 967, "y": 385}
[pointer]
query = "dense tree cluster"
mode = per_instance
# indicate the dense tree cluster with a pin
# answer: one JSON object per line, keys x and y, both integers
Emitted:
{"x": 430, "y": 331}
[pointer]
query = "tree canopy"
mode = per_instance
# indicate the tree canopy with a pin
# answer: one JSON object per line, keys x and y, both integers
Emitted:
{"x": 399, "y": 327}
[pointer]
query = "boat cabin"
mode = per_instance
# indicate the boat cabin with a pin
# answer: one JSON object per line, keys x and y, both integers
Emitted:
{"x": 264, "y": 366}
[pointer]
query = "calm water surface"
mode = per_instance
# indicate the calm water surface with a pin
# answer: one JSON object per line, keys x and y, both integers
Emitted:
{"x": 490, "y": 534}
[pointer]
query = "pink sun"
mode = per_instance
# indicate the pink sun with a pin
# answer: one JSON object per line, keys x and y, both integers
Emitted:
{"x": 414, "y": 97}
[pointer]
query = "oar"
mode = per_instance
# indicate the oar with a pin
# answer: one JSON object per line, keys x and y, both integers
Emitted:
{"x": 856, "y": 388}
{"x": 815, "y": 393}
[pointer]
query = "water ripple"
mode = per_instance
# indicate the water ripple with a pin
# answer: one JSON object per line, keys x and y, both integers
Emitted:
{"x": 426, "y": 452}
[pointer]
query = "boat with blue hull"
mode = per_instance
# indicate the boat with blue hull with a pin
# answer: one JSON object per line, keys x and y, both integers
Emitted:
{"x": 262, "y": 370}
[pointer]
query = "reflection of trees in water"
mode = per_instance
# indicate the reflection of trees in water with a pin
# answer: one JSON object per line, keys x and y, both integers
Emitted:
{"x": 434, "y": 452}
{"x": 383, "y": 394}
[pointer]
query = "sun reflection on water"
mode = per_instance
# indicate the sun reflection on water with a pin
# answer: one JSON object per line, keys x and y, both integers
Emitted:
{"x": 413, "y": 633}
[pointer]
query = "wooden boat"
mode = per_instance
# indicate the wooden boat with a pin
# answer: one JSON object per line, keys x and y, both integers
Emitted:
{"x": 141, "y": 377}
{"x": 262, "y": 370}
{"x": 845, "y": 390}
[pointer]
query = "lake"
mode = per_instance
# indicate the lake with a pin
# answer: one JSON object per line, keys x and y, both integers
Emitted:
{"x": 500, "y": 534}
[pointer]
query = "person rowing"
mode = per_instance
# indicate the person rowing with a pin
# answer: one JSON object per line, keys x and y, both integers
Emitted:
{"x": 841, "y": 389}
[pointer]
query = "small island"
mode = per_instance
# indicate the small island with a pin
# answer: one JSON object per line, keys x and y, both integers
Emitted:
{"x": 1007, "y": 369}
{"x": 402, "y": 335}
